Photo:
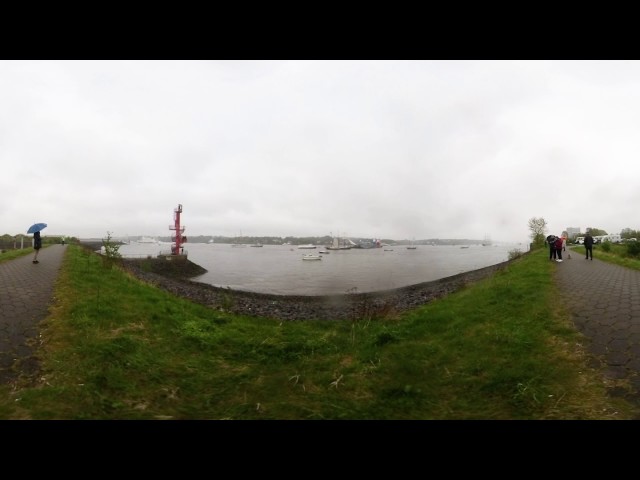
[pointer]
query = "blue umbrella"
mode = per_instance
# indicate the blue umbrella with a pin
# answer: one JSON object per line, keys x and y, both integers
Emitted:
{"x": 36, "y": 227}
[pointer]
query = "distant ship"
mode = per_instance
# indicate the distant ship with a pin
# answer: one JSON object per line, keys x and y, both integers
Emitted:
{"x": 373, "y": 243}
{"x": 341, "y": 244}
{"x": 147, "y": 240}
{"x": 487, "y": 241}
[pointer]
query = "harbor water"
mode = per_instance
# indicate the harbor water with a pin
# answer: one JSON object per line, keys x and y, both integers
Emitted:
{"x": 280, "y": 269}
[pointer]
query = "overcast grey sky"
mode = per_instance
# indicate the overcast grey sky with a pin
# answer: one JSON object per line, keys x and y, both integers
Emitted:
{"x": 389, "y": 149}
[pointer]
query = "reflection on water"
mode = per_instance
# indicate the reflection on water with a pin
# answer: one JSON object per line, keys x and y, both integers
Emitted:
{"x": 280, "y": 270}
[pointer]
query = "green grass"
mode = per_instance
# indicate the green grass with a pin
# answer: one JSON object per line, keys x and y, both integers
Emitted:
{"x": 116, "y": 348}
{"x": 15, "y": 253}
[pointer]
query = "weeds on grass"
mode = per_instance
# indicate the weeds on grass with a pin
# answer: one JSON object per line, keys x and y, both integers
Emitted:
{"x": 226, "y": 300}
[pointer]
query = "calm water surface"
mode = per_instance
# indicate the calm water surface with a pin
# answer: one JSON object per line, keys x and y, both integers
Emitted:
{"x": 280, "y": 270}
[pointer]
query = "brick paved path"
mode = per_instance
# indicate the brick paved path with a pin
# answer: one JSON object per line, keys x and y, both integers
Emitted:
{"x": 604, "y": 300}
{"x": 26, "y": 291}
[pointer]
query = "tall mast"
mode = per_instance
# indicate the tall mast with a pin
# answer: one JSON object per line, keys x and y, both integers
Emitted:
{"x": 176, "y": 248}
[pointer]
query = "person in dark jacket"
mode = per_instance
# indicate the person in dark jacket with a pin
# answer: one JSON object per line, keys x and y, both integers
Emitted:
{"x": 37, "y": 245}
{"x": 551, "y": 240}
{"x": 588, "y": 245}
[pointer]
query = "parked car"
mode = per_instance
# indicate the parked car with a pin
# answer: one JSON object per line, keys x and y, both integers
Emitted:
{"x": 579, "y": 241}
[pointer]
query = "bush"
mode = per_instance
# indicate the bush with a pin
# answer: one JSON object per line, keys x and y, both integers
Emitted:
{"x": 633, "y": 249}
{"x": 606, "y": 246}
{"x": 515, "y": 253}
{"x": 111, "y": 253}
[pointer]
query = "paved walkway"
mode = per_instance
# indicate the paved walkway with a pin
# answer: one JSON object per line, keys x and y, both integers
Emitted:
{"x": 26, "y": 291}
{"x": 604, "y": 300}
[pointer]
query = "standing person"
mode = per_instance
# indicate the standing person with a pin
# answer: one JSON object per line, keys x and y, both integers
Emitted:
{"x": 558, "y": 244}
{"x": 551, "y": 240}
{"x": 37, "y": 245}
{"x": 588, "y": 245}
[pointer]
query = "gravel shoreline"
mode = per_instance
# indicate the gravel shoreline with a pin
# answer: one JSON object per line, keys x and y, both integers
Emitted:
{"x": 351, "y": 306}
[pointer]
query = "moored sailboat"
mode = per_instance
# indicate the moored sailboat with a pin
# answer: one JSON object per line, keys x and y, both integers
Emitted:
{"x": 341, "y": 244}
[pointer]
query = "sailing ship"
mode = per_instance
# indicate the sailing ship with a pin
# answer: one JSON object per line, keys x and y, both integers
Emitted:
{"x": 235, "y": 242}
{"x": 341, "y": 244}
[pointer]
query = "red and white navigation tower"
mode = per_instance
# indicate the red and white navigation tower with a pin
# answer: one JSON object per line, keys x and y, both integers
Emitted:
{"x": 176, "y": 247}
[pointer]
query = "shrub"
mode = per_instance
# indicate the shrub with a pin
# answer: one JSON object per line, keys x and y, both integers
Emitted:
{"x": 633, "y": 249}
{"x": 606, "y": 246}
{"x": 111, "y": 253}
{"x": 515, "y": 253}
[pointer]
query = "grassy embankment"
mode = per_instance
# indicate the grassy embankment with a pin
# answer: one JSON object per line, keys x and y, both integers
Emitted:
{"x": 116, "y": 348}
{"x": 15, "y": 253}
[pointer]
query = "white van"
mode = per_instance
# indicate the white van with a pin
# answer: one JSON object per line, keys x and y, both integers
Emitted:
{"x": 579, "y": 241}
{"x": 615, "y": 238}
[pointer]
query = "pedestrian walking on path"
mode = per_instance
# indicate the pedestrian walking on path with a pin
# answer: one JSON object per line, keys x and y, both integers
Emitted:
{"x": 37, "y": 245}
{"x": 588, "y": 245}
{"x": 37, "y": 241}
{"x": 558, "y": 244}
{"x": 551, "y": 240}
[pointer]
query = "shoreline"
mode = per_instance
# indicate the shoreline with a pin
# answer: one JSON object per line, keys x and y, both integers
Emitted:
{"x": 348, "y": 306}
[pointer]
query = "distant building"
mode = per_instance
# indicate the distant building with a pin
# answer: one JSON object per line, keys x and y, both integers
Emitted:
{"x": 573, "y": 232}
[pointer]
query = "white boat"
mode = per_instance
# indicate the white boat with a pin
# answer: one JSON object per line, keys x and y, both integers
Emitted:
{"x": 310, "y": 256}
{"x": 147, "y": 240}
{"x": 324, "y": 251}
{"x": 412, "y": 246}
{"x": 309, "y": 246}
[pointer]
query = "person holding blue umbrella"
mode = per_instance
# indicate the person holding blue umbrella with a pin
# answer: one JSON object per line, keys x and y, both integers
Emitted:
{"x": 37, "y": 240}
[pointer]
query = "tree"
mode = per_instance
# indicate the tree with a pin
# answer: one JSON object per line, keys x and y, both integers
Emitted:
{"x": 538, "y": 227}
{"x": 111, "y": 253}
{"x": 596, "y": 232}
